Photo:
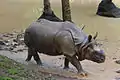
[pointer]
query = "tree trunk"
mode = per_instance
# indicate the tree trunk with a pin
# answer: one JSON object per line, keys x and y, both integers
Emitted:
{"x": 48, "y": 13}
{"x": 107, "y": 1}
{"x": 66, "y": 12}
{"x": 47, "y": 7}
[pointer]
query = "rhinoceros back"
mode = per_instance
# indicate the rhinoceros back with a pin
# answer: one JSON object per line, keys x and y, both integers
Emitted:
{"x": 40, "y": 34}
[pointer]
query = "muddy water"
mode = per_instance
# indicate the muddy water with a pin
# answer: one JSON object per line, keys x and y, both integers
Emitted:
{"x": 15, "y": 15}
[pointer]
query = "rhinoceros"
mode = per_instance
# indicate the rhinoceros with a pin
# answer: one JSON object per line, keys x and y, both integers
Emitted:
{"x": 62, "y": 38}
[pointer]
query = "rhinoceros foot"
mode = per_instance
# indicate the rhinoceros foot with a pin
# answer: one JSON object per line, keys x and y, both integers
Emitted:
{"x": 83, "y": 73}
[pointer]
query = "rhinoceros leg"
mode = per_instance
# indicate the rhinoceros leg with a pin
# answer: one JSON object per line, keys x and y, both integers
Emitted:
{"x": 33, "y": 52}
{"x": 66, "y": 64}
{"x": 66, "y": 44}
{"x": 29, "y": 55}
{"x": 75, "y": 62}
{"x": 37, "y": 59}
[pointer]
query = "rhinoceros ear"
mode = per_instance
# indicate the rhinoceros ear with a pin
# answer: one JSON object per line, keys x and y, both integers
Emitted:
{"x": 89, "y": 38}
{"x": 95, "y": 35}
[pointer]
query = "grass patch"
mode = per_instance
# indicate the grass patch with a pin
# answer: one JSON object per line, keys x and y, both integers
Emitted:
{"x": 5, "y": 78}
{"x": 11, "y": 70}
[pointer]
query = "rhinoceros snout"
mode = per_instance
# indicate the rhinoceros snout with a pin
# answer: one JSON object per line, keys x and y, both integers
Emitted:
{"x": 101, "y": 60}
{"x": 98, "y": 57}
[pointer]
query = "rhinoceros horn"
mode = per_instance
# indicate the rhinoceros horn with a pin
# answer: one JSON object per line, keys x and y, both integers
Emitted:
{"x": 95, "y": 35}
{"x": 89, "y": 38}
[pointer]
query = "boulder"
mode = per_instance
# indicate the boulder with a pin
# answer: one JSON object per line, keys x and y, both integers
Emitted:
{"x": 108, "y": 9}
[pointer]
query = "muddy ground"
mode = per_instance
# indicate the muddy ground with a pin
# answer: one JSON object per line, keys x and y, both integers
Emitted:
{"x": 12, "y": 46}
{"x": 12, "y": 70}
{"x": 17, "y": 15}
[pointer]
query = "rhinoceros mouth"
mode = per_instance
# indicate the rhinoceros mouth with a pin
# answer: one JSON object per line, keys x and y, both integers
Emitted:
{"x": 99, "y": 60}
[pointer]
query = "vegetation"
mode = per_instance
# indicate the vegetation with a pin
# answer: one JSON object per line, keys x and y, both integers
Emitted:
{"x": 11, "y": 70}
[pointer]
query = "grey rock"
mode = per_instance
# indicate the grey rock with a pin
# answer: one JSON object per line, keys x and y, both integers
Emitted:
{"x": 117, "y": 61}
{"x": 14, "y": 40}
{"x": 2, "y": 43}
{"x": 11, "y": 48}
{"x": 108, "y": 9}
{"x": 118, "y": 71}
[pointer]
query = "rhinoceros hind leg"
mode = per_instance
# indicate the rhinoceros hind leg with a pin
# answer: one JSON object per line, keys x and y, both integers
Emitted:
{"x": 29, "y": 58}
{"x": 66, "y": 64}
{"x": 33, "y": 52}
{"x": 37, "y": 59}
{"x": 29, "y": 54}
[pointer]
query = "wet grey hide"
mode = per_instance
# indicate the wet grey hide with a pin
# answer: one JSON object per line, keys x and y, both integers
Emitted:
{"x": 61, "y": 38}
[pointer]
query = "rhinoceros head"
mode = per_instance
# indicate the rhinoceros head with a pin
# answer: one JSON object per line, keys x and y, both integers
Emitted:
{"x": 91, "y": 50}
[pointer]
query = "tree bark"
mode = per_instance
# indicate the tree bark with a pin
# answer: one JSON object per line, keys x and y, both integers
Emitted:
{"x": 66, "y": 12}
{"x": 107, "y": 1}
{"x": 47, "y": 7}
{"x": 48, "y": 13}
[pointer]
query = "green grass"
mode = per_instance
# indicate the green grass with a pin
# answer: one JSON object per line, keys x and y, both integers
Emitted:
{"x": 11, "y": 70}
{"x": 5, "y": 78}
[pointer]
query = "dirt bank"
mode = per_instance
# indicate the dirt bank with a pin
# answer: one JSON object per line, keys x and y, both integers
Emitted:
{"x": 12, "y": 70}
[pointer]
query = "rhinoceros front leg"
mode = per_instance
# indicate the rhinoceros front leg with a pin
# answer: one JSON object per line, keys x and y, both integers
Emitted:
{"x": 75, "y": 62}
{"x": 33, "y": 52}
{"x": 66, "y": 45}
